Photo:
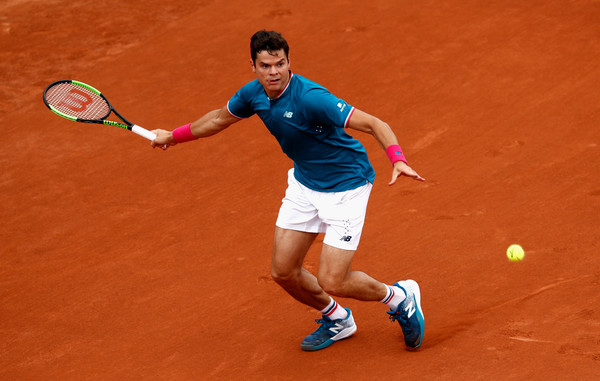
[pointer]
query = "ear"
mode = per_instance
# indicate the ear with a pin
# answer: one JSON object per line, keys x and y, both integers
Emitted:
{"x": 252, "y": 65}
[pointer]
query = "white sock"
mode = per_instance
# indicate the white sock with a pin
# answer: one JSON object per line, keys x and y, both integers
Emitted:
{"x": 334, "y": 311}
{"x": 394, "y": 296}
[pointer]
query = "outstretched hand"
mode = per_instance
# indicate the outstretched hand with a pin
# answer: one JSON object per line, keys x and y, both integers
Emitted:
{"x": 402, "y": 169}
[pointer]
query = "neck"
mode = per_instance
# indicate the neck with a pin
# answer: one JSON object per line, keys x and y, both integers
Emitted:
{"x": 272, "y": 96}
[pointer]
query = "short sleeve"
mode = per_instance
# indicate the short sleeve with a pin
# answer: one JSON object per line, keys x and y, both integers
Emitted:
{"x": 240, "y": 104}
{"x": 322, "y": 107}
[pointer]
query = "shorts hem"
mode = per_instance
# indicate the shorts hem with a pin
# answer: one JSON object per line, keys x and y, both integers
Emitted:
{"x": 298, "y": 228}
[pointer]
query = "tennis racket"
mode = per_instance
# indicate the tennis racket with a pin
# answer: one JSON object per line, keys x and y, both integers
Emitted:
{"x": 79, "y": 102}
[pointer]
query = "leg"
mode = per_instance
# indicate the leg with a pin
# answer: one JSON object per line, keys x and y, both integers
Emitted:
{"x": 336, "y": 278}
{"x": 289, "y": 250}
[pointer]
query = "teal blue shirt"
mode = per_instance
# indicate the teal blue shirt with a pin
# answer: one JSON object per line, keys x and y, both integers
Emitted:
{"x": 309, "y": 124}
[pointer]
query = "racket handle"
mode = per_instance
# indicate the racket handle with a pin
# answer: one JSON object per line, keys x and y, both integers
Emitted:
{"x": 143, "y": 132}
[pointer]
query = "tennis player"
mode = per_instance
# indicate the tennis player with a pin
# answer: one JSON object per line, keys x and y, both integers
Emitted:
{"x": 328, "y": 190}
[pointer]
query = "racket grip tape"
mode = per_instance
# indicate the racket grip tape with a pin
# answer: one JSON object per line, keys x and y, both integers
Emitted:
{"x": 143, "y": 132}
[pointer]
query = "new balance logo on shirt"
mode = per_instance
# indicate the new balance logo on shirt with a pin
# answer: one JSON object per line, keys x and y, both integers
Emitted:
{"x": 288, "y": 114}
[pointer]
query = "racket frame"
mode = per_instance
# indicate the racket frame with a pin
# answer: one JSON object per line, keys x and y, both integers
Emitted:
{"x": 128, "y": 125}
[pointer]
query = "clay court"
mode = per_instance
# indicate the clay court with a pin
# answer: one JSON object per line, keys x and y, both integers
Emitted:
{"x": 120, "y": 262}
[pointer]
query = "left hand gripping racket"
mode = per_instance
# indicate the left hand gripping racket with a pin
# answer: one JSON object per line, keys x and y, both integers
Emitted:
{"x": 79, "y": 102}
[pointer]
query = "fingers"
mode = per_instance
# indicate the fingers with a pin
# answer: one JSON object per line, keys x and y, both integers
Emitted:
{"x": 394, "y": 178}
{"x": 417, "y": 177}
{"x": 153, "y": 142}
{"x": 163, "y": 147}
{"x": 413, "y": 175}
{"x": 160, "y": 140}
{"x": 408, "y": 172}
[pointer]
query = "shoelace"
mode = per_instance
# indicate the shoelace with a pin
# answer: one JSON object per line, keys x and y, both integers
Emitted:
{"x": 398, "y": 315}
{"x": 324, "y": 323}
{"x": 324, "y": 326}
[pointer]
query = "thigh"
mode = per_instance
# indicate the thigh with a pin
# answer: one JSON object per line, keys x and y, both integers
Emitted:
{"x": 290, "y": 248}
{"x": 334, "y": 264}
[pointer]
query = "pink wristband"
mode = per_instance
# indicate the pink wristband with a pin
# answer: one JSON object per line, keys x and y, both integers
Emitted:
{"x": 183, "y": 134}
{"x": 395, "y": 154}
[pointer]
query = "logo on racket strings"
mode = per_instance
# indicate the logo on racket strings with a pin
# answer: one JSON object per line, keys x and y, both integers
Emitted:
{"x": 77, "y": 100}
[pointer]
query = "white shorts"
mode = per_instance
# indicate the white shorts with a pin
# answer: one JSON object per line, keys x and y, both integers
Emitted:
{"x": 340, "y": 215}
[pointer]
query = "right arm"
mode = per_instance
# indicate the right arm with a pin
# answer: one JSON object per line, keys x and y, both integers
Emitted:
{"x": 384, "y": 135}
{"x": 210, "y": 124}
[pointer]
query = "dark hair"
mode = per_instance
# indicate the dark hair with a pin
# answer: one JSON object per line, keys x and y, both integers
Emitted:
{"x": 270, "y": 41}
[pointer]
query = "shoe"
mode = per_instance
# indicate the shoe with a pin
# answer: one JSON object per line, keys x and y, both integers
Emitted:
{"x": 329, "y": 332}
{"x": 409, "y": 314}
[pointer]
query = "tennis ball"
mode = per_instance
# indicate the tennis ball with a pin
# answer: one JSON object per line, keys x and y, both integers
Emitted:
{"x": 515, "y": 253}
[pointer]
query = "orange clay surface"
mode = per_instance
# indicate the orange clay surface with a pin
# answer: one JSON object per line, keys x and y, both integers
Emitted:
{"x": 119, "y": 262}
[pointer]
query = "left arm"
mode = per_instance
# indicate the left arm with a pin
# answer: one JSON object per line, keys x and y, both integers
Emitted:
{"x": 381, "y": 131}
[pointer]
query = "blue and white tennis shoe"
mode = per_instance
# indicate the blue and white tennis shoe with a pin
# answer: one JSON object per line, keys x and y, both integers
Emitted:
{"x": 329, "y": 332}
{"x": 409, "y": 314}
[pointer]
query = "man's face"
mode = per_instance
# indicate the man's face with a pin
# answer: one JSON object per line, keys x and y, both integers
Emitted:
{"x": 272, "y": 71}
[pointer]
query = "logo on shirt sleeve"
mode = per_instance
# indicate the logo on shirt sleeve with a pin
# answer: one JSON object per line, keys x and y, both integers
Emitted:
{"x": 341, "y": 106}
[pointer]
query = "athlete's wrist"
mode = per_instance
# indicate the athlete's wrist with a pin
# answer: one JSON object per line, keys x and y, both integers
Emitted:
{"x": 394, "y": 153}
{"x": 183, "y": 134}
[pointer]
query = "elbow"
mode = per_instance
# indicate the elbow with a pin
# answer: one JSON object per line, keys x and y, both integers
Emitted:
{"x": 379, "y": 127}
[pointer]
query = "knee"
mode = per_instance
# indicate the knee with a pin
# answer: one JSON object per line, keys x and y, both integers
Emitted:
{"x": 332, "y": 286}
{"x": 284, "y": 277}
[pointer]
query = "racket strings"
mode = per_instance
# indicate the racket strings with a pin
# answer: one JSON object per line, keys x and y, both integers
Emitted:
{"x": 77, "y": 101}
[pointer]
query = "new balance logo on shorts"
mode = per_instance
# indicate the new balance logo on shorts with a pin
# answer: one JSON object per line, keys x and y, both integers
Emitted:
{"x": 346, "y": 238}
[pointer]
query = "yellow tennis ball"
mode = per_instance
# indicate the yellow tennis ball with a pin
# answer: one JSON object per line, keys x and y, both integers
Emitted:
{"x": 515, "y": 253}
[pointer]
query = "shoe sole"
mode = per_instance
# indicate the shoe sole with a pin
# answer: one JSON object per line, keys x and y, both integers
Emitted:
{"x": 342, "y": 335}
{"x": 414, "y": 288}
